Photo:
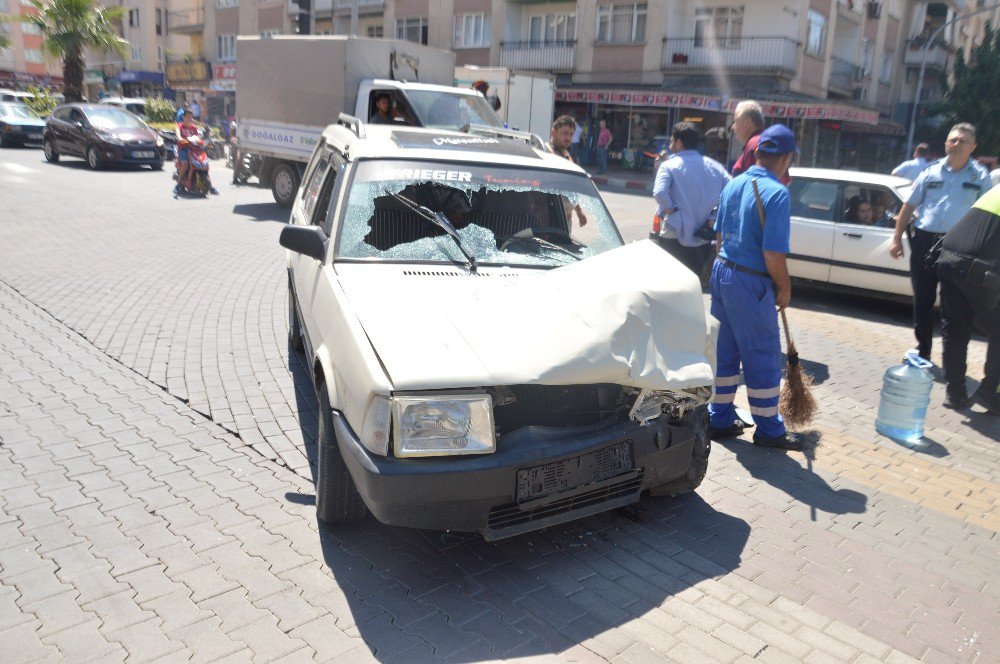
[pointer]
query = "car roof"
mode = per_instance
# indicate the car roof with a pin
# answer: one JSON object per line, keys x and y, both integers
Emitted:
{"x": 381, "y": 141}
{"x": 859, "y": 177}
{"x": 429, "y": 87}
{"x": 123, "y": 100}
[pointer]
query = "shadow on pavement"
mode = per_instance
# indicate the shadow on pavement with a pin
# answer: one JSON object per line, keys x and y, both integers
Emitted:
{"x": 927, "y": 446}
{"x": 262, "y": 212}
{"x": 305, "y": 403}
{"x": 782, "y": 471}
{"x": 424, "y": 596}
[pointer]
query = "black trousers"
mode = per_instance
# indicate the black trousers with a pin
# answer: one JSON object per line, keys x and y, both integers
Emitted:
{"x": 694, "y": 258}
{"x": 925, "y": 285}
{"x": 962, "y": 301}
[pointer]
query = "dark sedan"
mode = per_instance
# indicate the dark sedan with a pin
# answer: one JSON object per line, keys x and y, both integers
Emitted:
{"x": 19, "y": 125}
{"x": 102, "y": 135}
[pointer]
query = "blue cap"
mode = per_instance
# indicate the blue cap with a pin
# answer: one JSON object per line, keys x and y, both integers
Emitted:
{"x": 777, "y": 139}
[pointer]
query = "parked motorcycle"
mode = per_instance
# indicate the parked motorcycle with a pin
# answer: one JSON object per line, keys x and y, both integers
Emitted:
{"x": 196, "y": 183}
{"x": 169, "y": 141}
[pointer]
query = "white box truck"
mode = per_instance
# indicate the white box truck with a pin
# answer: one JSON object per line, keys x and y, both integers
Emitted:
{"x": 289, "y": 88}
{"x": 527, "y": 99}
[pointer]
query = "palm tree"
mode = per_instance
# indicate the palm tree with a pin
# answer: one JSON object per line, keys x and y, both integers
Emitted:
{"x": 70, "y": 26}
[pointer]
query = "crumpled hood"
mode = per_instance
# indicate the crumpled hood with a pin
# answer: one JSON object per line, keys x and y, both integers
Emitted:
{"x": 632, "y": 316}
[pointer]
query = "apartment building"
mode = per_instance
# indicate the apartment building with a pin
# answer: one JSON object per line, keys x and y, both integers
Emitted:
{"x": 25, "y": 63}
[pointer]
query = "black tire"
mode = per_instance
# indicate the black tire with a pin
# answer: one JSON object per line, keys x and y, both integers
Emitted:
{"x": 157, "y": 166}
{"x": 337, "y": 499}
{"x": 294, "y": 327}
{"x": 284, "y": 185}
{"x": 94, "y": 159}
{"x": 692, "y": 479}
{"x": 51, "y": 155}
{"x": 4, "y": 141}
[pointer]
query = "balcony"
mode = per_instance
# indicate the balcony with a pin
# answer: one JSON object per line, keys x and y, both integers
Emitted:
{"x": 186, "y": 21}
{"x": 343, "y": 7}
{"x": 844, "y": 75}
{"x": 731, "y": 54}
{"x": 544, "y": 56}
{"x": 936, "y": 57}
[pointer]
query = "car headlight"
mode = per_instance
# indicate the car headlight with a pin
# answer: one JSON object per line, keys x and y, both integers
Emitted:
{"x": 159, "y": 141}
{"x": 444, "y": 424}
{"x": 110, "y": 138}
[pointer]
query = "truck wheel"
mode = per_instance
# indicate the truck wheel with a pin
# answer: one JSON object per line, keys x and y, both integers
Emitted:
{"x": 692, "y": 479}
{"x": 284, "y": 184}
{"x": 337, "y": 499}
{"x": 294, "y": 327}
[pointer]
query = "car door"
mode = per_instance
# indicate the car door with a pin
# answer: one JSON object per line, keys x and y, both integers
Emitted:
{"x": 313, "y": 208}
{"x": 75, "y": 140}
{"x": 861, "y": 251}
{"x": 56, "y": 126}
{"x": 814, "y": 205}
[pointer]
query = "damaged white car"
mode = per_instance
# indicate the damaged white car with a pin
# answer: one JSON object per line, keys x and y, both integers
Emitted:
{"x": 487, "y": 353}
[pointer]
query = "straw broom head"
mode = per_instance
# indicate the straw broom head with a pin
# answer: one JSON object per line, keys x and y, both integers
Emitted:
{"x": 796, "y": 403}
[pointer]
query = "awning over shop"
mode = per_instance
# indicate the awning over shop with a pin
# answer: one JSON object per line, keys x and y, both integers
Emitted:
{"x": 798, "y": 110}
{"x": 128, "y": 76}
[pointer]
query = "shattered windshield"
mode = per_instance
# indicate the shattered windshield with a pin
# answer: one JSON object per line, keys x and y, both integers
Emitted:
{"x": 503, "y": 216}
{"x": 451, "y": 111}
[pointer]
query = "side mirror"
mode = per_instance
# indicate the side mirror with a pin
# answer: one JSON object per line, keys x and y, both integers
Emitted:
{"x": 306, "y": 240}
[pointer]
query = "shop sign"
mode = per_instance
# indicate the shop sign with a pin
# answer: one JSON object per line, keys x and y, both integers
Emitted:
{"x": 127, "y": 76}
{"x": 224, "y": 77}
{"x": 93, "y": 76}
{"x": 188, "y": 72}
{"x": 813, "y": 112}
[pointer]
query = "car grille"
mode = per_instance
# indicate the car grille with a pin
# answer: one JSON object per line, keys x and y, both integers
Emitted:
{"x": 560, "y": 406}
{"x": 140, "y": 144}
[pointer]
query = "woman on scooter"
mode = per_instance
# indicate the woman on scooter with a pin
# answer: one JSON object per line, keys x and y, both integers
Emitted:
{"x": 186, "y": 128}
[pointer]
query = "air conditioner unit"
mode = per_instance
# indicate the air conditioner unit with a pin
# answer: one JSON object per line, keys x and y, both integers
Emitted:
{"x": 875, "y": 10}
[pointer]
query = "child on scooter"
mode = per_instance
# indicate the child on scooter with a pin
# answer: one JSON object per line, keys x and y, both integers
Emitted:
{"x": 186, "y": 128}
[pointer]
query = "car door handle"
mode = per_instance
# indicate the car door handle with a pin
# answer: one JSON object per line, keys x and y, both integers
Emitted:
{"x": 855, "y": 236}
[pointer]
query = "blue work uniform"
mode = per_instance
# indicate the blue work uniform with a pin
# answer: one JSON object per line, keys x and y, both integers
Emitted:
{"x": 743, "y": 300}
{"x": 943, "y": 196}
{"x": 911, "y": 169}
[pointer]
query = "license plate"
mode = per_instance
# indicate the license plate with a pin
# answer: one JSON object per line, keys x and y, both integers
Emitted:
{"x": 143, "y": 154}
{"x": 559, "y": 476}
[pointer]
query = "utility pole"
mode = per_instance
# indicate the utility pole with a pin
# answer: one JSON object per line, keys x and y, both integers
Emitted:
{"x": 924, "y": 53}
{"x": 354, "y": 16}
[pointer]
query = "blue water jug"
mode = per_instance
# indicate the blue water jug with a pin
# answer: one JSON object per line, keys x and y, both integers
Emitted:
{"x": 906, "y": 392}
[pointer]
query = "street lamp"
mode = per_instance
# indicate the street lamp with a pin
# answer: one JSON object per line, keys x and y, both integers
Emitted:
{"x": 924, "y": 53}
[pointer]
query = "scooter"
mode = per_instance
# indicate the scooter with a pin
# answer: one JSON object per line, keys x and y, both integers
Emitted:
{"x": 197, "y": 168}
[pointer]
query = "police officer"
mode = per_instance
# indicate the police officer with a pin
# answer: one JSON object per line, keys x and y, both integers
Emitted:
{"x": 943, "y": 193}
{"x": 969, "y": 269}
{"x": 749, "y": 281}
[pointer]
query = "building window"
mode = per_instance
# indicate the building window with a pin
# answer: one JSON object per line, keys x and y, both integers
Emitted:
{"x": 159, "y": 21}
{"x": 412, "y": 29}
{"x": 621, "y": 24}
{"x": 885, "y": 75}
{"x": 375, "y": 31}
{"x": 267, "y": 34}
{"x": 225, "y": 48}
{"x": 548, "y": 28}
{"x": 472, "y": 31}
{"x": 136, "y": 53}
{"x": 816, "y": 39}
{"x": 133, "y": 18}
{"x": 223, "y": 4}
{"x": 867, "y": 56}
{"x": 718, "y": 26}
{"x": 159, "y": 58}
{"x": 32, "y": 55}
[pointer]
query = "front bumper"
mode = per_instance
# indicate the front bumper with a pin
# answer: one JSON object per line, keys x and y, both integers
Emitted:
{"x": 480, "y": 493}
{"x": 125, "y": 154}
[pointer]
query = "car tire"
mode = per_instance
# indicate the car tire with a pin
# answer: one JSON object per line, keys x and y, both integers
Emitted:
{"x": 157, "y": 166}
{"x": 696, "y": 471}
{"x": 4, "y": 141}
{"x": 51, "y": 155}
{"x": 294, "y": 327}
{"x": 284, "y": 184}
{"x": 337, "y": 499}
{"x": 94, "y": 159}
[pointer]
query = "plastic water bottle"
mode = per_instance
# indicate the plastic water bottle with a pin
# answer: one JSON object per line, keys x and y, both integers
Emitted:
{"x": 906, "y": 392}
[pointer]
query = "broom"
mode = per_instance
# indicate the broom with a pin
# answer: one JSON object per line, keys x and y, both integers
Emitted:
{"x": 796, "y": 403}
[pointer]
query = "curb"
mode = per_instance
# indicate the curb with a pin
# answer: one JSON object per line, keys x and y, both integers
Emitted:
{"x": 622, "y": 184}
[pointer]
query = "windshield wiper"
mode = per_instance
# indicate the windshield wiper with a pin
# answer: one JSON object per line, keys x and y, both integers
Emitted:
{"x": 528, "y": 235}
{"x": 441, "y": 221}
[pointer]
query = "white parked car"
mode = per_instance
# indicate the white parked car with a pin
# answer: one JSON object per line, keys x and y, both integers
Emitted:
{"x": 831, "y": 243}
{"x": 136, "y": 105}
{"x": 481, "y": 361}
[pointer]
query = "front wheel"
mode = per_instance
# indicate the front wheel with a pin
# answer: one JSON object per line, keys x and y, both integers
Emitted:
{"x": 94, "y": 159}
{"x": 285, "y": 184}
{"x": 51, "y": 155}
{"x": 692, "y": 479}
{"x": 337, "y": 499}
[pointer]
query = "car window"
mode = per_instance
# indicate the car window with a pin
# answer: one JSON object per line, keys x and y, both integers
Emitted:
{"x": 813, "y": 199}
{"x": 113, "y": 118}
{"x": 61, "y": 114}
{"x": 322, "y": 207}
{"x": 76, "y": 115}
{"x": 312, "y": 189}
{"x": 15, "y": 112}
{"x": 870, "y": 205}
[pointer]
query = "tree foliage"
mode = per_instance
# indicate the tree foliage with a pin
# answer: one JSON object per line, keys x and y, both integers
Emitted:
{"x": 41, "y": 101}
{"x": 160, "y": 110}
{"x": 974, "y": 96}
{"x": 70, "y": 26}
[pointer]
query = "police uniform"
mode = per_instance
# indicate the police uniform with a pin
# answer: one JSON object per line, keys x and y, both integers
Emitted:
{"x": 969, "y": 268}
{"x": 942, "y": 196}
{"x": 743, "y": 300}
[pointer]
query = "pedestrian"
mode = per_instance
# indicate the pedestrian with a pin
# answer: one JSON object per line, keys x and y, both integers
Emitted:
{"x": 750, "y": 283}
{"x": 748, "y": 123}
{"x": 943, "y": 193}
{"x": 687, "y": 190}
{"x": 574, "y": 147}
{"x": 560, "y": 139}
{"x": 912, "y": 168}
{"x": 196, "y": 110}
{"x": 604, "y": 138}
{"x": 969, "y": 270}
{"x": 180, "y": 112}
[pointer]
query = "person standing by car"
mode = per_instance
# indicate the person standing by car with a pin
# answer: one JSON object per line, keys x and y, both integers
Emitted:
{"x": 914, "y": 167}
{"x": 687, "y": 189}
{"x": 748, "y": 123}
{"x": 604, "y": 138}
{"x": 969, "y": 270}
{"x": 749, "y": 279}
{"x": 574, "y": 146}
{"x": 560, "y": 139}
{"x": 943, "y": 193}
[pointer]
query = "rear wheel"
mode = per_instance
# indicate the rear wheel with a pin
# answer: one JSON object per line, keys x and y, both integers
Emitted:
{"x": 692, "y": 479}
{"x": 284, "y": 184}
{"x": 337, "y": 499}
{"x": 94, "y": 159}
{"x": 51, "y": 155}
{"x": 200, "y": 184}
